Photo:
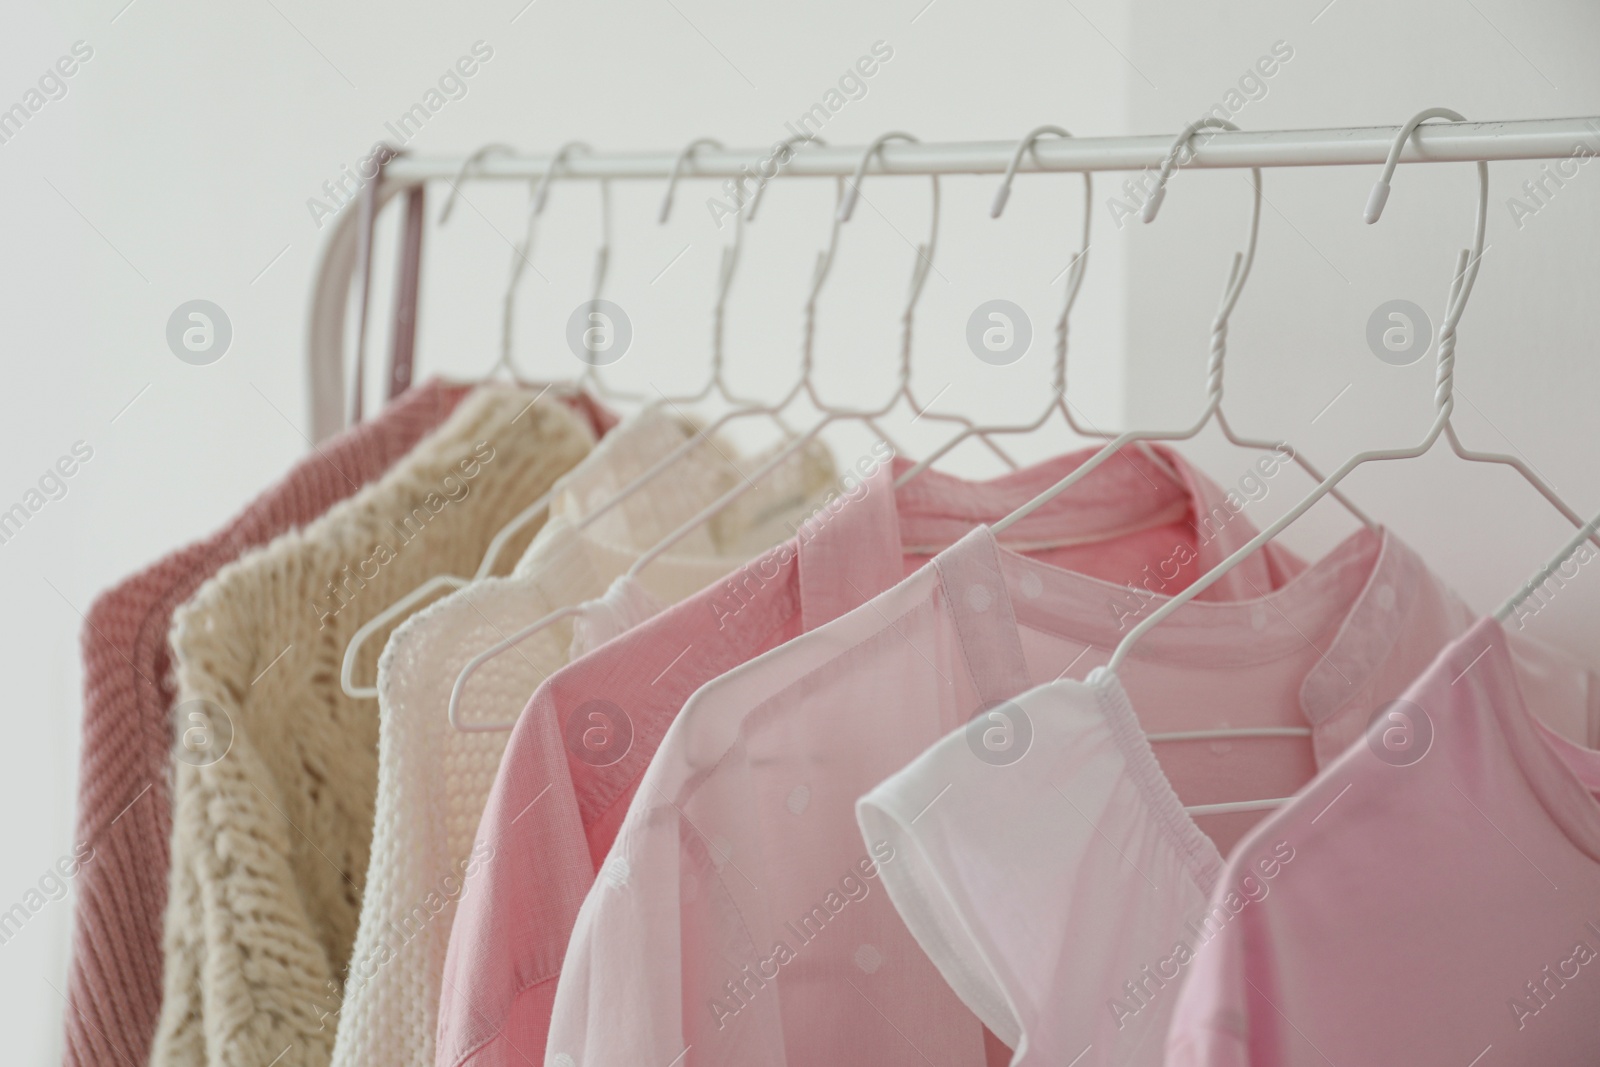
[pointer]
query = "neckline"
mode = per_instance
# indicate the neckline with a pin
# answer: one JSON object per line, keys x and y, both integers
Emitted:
{"x": 1200, "y": 854}
{"x": 1361, "y": 591}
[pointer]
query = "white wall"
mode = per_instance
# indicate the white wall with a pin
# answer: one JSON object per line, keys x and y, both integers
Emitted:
{"x": 180, "y": 161}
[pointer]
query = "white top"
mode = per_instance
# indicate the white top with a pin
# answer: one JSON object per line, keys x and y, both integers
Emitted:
{"x": 433, "y": 780}
{"x": 1040, "y": 884}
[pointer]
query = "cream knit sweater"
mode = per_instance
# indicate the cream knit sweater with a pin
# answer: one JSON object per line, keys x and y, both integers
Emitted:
{"x": 276, "y": 774}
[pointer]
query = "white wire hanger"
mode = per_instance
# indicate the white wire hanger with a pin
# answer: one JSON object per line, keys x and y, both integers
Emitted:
{"x": 1467, "y": 264}
{"x": 717, "y": 383}
{"x": 1240, "y": 273}
{"x": 831, "y": 415}
{"x": 441, "y": 583}
{"x": 1074, "y": 276}
{"x": 925, "y": 255}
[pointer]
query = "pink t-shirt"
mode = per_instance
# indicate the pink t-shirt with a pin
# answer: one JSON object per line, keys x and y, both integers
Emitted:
{"x": 1443, "y": 900}
{"x": 581, "y": 747}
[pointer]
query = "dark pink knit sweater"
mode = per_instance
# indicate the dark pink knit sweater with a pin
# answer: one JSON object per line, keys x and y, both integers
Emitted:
{"x": 124, "y": 802}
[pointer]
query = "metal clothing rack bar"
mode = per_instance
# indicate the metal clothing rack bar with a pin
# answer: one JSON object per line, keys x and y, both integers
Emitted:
{"x": 1444, "y": 142}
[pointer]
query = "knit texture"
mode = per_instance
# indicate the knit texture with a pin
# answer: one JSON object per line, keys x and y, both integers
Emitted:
{"x": 124, "y": 795}
{"x": 434, "y": 781}
{"x": 277, "y": 768}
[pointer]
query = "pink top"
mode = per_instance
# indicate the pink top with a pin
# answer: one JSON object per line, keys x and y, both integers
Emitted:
{"x": 1443, "y": 900}
{"x": 556, "y": 807}
{"x": 124, "y": 803}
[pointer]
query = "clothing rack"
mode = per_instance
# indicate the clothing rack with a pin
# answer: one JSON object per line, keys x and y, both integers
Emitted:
{"x": 1435, "y": 143}
{"x": 1443, "y": 142}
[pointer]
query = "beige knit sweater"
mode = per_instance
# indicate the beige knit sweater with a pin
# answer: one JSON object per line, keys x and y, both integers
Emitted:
{"x": 276, "y": 772}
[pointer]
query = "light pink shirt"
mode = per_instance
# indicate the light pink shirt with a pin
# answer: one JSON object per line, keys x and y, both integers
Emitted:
{"x": 1443, "y": 900}
{"x": 556, "y": 805}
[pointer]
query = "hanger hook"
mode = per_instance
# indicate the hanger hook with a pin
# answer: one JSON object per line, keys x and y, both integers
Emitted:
{"x": 1242, "y": 261}
{"x": 678, "y": 164}
{"x": 1467, "y": 260}
{"x": 522, "y": 254}
{"x": 849, "y": 193}
{"x": 847, "y": 208}
{"x": 1075, "y": 269}
{"x": 730, "y": 252}
{"x": 787, "y": 144}
{"x": 473, "y": 163}
{"x": 541, "y": 191}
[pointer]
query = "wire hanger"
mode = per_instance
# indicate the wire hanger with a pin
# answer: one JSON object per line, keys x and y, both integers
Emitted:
{"x": 925, "y": 254}
{"x": 441, "y": 583}
{"x": 1074, "y": 273}
{"x": 1242, "y": 262}
{"x": 716, "y": 382}
{"x": 1467, "y": 264}
{"x": 750, "y": 408}
{"x": 831, "y": 415}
